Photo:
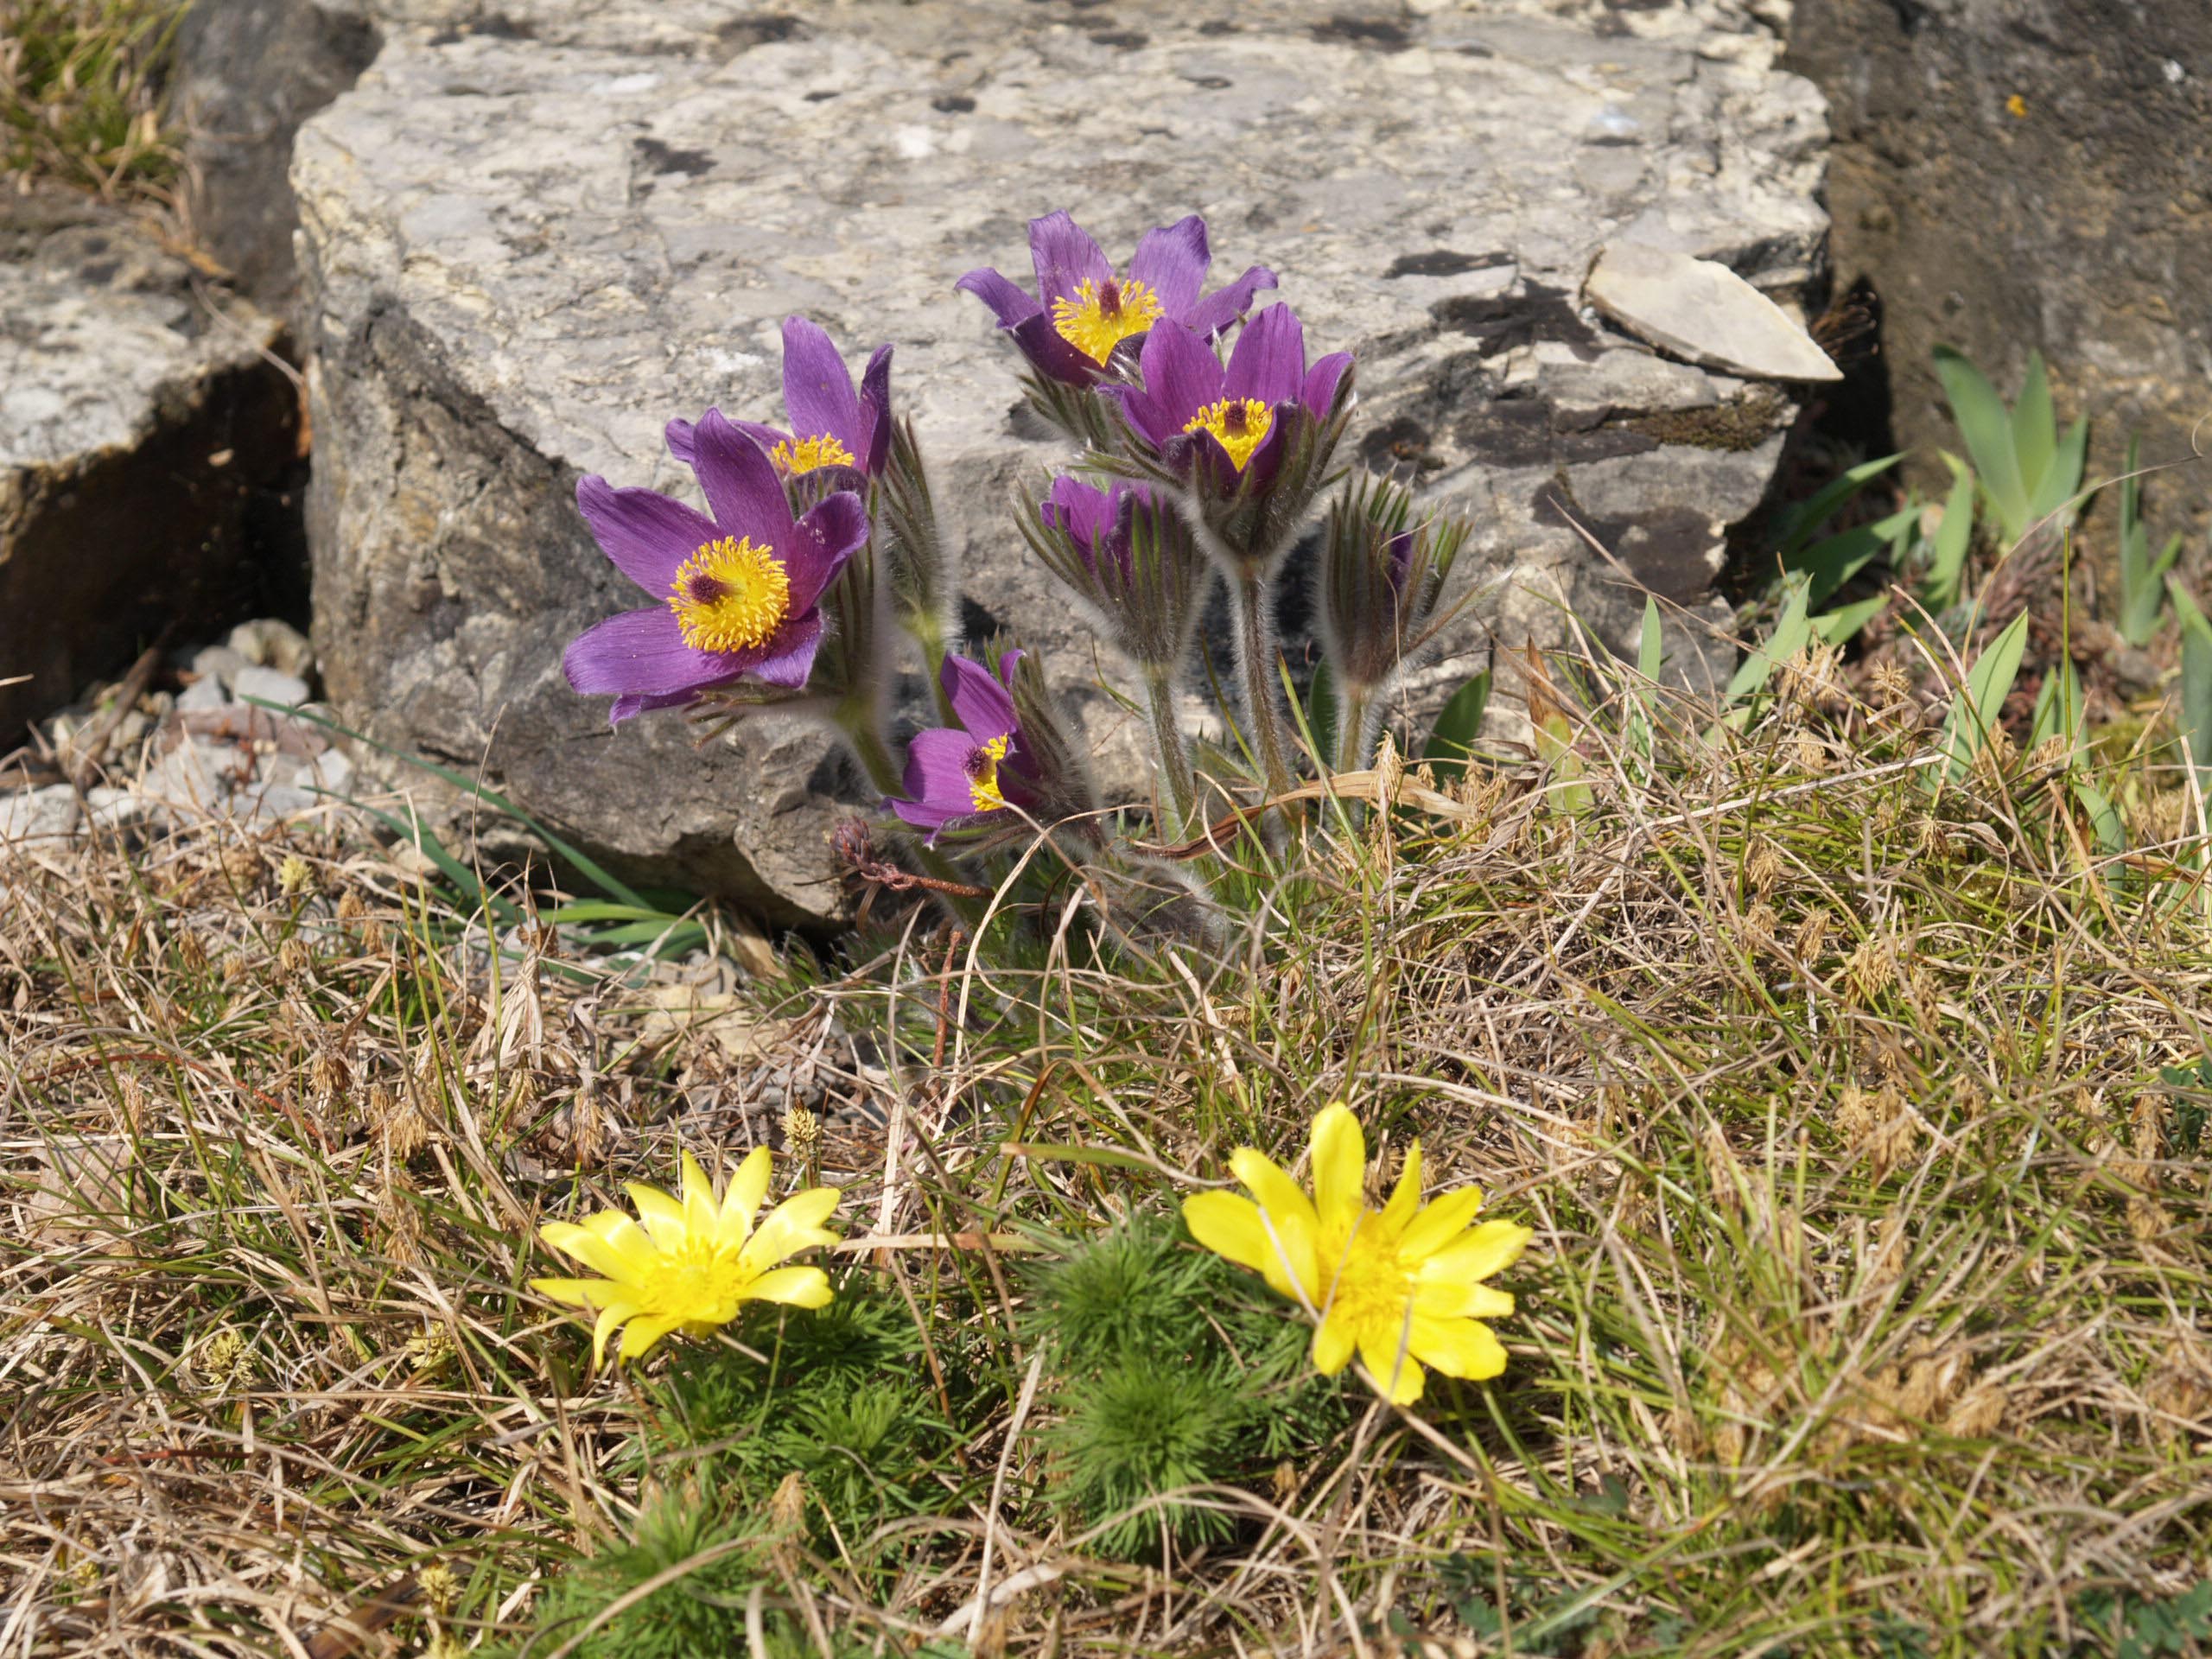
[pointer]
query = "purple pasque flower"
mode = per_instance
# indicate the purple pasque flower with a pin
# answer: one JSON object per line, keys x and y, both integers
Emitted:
{"x": 1189, "y": 408}
{"x": 738, "y": 589}
{"x": 953, "y": 777}
{"x": 1096, "y": 521}
{"x": 830, "y": 427}
{"x": 1082, "y": 311}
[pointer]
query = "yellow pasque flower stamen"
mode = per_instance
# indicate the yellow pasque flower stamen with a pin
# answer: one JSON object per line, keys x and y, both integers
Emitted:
{"x": 689, "y": 1264}
{"x": 796, "y": 455}
{"x": 1238, "y": 423}
{"x": 730, "y": 595}
{"x": 1400, "y": 1286}
{"x": 1101, "y": 316}
{"x": 983, "y": 791}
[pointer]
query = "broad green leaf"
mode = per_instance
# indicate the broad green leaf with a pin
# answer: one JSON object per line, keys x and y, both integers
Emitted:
{"x": 1989, "y": 681}
{"x": 1832, "y": 563}
{"x": 1451, "y": 738}
{"x": 1650, "y": 653}
{"x": 2104, "y": 816}
{"x": 1321, "y": 714}
{"x": 1791, "y": 629}
{"x": 1953, "y": 537}
{"x": 1842, "y": 623}
{"x": 1987, "y": 430}
{"x": 2062, "y": 481}
{"x": 2142, "y": 578}
{"x": 2195, "y": 723}
{"x": 1798, "y": 524}
{"x": 2035, "y": 428}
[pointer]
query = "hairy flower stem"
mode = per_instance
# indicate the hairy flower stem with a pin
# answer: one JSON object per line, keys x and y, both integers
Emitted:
{"x": 1255, "y": 651}
{"x": 1353, "y": 704}
{"x": 1174, "y": 753}
{"x": 857, "y": 723}
{"x": 928, "y": 631}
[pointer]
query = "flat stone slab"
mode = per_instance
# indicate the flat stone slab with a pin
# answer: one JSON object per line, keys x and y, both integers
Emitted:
{"x": 1704, "y": 311}
{"x": 524, "y": 250}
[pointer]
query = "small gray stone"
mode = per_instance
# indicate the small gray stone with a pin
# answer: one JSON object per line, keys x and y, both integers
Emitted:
{"x": 114, "y": 808}
{"x": 270, "y": 643}
{"x": 271, "y": 685}
{"x": 203, "y": 694}
{"x": 219, "y": 663}
{"x": 190, "y": 777}
{"x": 38, "y": 814}
{"x": 1704, "y": 311}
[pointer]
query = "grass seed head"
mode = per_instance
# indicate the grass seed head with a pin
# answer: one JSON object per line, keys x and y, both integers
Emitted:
{"x": 295, "y": 877}
{"x": 1763, "y": 867}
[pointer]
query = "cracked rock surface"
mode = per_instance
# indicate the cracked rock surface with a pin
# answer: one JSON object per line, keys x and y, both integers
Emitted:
{"x": 528, "y": 241}
{"x": 138, "y": 420}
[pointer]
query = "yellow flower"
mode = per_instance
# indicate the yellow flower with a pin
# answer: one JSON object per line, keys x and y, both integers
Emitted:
{"x": 692, "y": 1264}
{"x": 1400, "y": 1285}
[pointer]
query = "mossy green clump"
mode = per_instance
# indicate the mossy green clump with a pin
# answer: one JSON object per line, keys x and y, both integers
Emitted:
{"x": 82, "y": 96}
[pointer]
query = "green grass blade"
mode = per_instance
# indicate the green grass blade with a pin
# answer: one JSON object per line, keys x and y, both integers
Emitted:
{"x": 1791, "y": 630}
{"x": 1650, "y": 651}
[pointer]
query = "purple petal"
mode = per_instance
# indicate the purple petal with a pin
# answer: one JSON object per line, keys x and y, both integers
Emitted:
{"x": 1182, "y": 377}
{"x": 740, "y": 485}
{"x": 1171, "y": 262}
{"x": 1079, "y": 509}
{"x": 875, "y": 399}
{"x": 766, "y": 437}
{"x": 788, "y": 659}
{"x": 628, "y": 708}
{"x": 642, "y": 653}
{"x": 1051, "y": 353}
{"x": 1065, "y": 257}
{"x": 1212, "y": 314}
{"x": 645, "y": 534}
{"x": 981, "y": 702}
{"x": 681, "y": 437}
{"x": 1269, "y": 361}
{"x": 1319, "y": 391}
{"x": 1011, "y": 304}
{"x": 815, "y": 548}
{"x": 819, "y": 389}
{"x": 937, "y": 771}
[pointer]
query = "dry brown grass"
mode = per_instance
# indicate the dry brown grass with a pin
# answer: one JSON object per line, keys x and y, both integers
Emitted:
{"x": 1865, "y": 1315}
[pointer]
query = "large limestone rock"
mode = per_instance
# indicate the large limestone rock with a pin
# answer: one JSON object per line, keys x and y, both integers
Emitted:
{"x": 525, "y": 249}
{"x": 140, "y": 418}
{"x": 2017, "y": 175}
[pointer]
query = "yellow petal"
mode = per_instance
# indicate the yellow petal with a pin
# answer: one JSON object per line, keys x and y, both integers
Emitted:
{"x": 699, "y": 1207}
{"x": 1478, "y": 1253}
{"x": 794, "y": 1287}
{"x": 1339, "y": 1169}
{"x": 1334, "y": 1341}
{"x": 749, "y": 1189}
{"x": 793, "y": 1225}
{"x": 665, "y": 1221}
{"x": 587, "y": 1246}
{"x": 577, "y": 1293}
{"x": 643, "y": 1332}
{"x": 1287, "y": 1213}
{"x": 1458, "y": 1298}
{"x": 1232, "y": 1227}
{"x": 1438, "y": 1224}
{"x": 633, "y": 1246}
{"x": 1393, "y": 1366}
{"x": 1405, "y": 1198}
{"x": 1459, "y": 1347}
{"x": 610, "y": 1316}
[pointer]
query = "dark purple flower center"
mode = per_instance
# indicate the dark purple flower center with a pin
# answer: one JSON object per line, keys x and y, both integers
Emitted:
{"x": 702, "y": 589}
{"x": 1109, "y": 298}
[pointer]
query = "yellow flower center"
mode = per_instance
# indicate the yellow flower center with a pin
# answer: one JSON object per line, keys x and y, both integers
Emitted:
{"x": 796, "y": 455}
{"x": 1238, "y": 423}
{"x": 1364, "y": 1283}
{"x": 1101, "y": 316}
{"x": 983, "y": 776}
{"x": 730, "y": 595}
{"x": 700, "y": 1283}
